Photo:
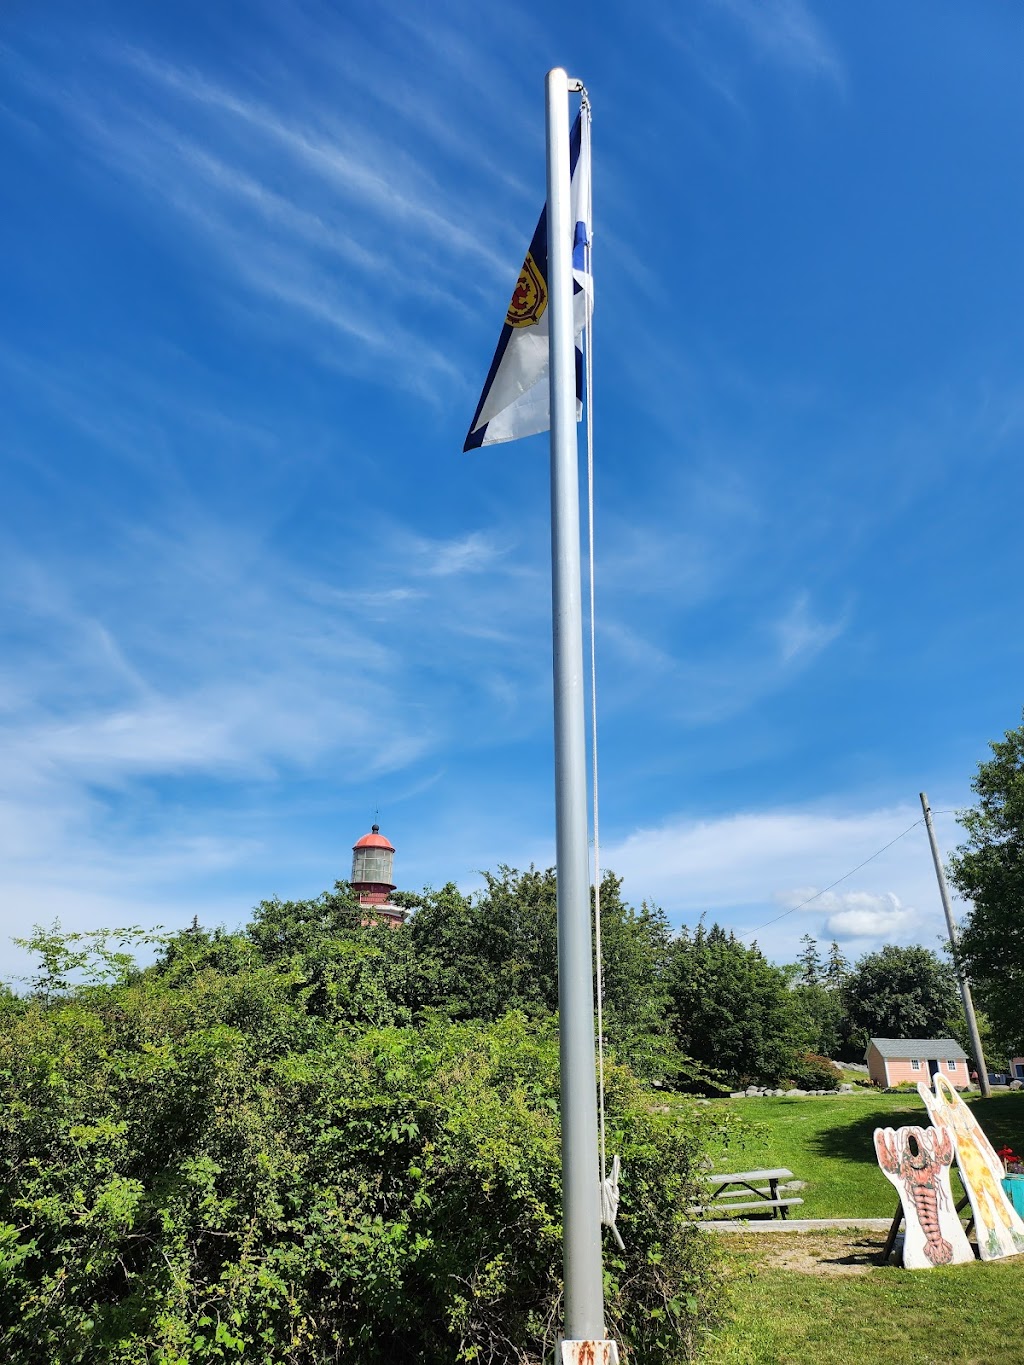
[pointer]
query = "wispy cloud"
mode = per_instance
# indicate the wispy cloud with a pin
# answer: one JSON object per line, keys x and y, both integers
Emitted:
{"x": 351, "y": 160}
{"x": 311, "y": 209}
{"x": 800, "y": 635}
{"x": 786, "y": 33}
{"x": 289, "y": 677}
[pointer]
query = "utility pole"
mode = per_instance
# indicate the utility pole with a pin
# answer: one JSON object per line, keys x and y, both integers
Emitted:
{"x": 965, "y": 985}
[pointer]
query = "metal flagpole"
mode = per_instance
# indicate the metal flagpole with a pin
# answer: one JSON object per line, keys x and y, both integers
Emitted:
{"x": 581, "y": 1208}
{"x": 965, "y": 985}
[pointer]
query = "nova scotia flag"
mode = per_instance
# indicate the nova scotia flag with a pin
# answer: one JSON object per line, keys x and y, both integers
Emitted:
{"x": 515, "y": 400}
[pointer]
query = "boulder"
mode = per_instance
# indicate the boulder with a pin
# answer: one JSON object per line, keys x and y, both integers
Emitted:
{"x": 798, "y": 1093}
{"x": 1017, "y": 1085}
{"x": 737, "y": 1094}
{"x": 752, "y": 1090}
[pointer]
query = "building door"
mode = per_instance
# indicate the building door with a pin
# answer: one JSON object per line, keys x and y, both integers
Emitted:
{"x": 933, "y": 1066}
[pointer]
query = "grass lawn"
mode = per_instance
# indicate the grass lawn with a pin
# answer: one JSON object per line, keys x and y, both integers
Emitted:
{"x": 856, "y": 1313}
{"x": 827, "y": 1142}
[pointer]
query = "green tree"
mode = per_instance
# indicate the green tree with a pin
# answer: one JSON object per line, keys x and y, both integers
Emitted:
{"x": 897, "y": 993}
{"x": 281, "y": 928}
{"x": 821, "y": 1013}
{"x": 988, "y": 870}
{"x": 636, "y": 947}
{"x": 837, "y": 969}
{"x": 732, "y": 1010}
{"x": 476, "y": 957}
{"x": 809, "y": 962}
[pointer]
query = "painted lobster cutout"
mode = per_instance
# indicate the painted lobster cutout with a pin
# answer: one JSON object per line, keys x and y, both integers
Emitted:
{"x": 917, "y": 1161}
{"x": 999, "y": 1227}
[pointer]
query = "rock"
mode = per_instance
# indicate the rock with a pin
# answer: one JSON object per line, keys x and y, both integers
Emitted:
{"x": 1017, "y": 1085}
{"x": 799, "y": 1094}
{"x": 846, "y": 1088}
{"x": 752, "y": 1090}
{"x": 737, "y": 1094}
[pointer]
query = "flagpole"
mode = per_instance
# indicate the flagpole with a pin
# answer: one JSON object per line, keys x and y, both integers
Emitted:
{"x": 581, "y": 1209}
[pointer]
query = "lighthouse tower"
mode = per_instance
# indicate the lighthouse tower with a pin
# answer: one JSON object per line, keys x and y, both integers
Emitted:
{"x": 373, "y": 859}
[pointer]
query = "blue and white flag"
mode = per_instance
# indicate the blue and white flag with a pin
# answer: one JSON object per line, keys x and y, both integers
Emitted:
{"x": 515, "y": 400}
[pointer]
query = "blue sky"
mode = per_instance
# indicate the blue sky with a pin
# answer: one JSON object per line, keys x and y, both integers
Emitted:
{"x": 254, "y": 261}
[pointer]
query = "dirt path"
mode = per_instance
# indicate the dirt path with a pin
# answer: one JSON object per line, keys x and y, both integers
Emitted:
{"x": 812, "y": 1253}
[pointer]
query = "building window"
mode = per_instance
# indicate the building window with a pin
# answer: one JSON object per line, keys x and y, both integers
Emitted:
{"x": 950, "y": 1064}
{"x": 915, "y": 1065}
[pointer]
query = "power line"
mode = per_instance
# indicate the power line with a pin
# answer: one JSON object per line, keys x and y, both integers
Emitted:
{"x": 750, "y": 932}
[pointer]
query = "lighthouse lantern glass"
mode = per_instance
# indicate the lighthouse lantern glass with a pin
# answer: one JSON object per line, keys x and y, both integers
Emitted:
{"x": 372, "y": 865}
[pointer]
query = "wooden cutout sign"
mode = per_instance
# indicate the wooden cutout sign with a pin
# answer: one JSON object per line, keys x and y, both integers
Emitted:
{"x": 917, "y": 1161}
{"x": 999, "y": 1227}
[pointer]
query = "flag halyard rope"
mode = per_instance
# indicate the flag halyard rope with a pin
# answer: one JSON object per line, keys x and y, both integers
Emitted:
{"x": 609, "y": 1184}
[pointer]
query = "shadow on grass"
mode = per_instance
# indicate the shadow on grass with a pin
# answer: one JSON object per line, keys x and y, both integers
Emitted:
{"x": 1001, "y": 1118}
{"x": 854, "y": 1141}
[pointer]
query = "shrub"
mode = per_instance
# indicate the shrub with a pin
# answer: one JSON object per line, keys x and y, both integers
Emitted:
{"x": 227, "y": 1169}
{"x": 811, "y": 1072}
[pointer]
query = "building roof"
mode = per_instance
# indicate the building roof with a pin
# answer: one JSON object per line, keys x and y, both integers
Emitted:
{"x": 373, "y": 840}
{"x": 895, "y": 1048}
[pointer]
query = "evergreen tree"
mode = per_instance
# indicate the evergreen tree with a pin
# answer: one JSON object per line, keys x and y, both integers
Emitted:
{"x": 837, "y": 968}
{"x": 810, "y": 962}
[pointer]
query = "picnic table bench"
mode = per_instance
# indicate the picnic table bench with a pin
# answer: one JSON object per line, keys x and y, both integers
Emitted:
{"x": 764, "y": 1185}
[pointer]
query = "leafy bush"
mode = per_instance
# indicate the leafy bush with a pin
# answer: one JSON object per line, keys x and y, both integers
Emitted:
{"x": 811, "y": 1072}
{"x": 198, "y": 1166}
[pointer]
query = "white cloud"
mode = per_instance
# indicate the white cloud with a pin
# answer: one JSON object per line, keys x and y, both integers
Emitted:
{"x": 872, "y": 916}
{"x": 740, "y": 868}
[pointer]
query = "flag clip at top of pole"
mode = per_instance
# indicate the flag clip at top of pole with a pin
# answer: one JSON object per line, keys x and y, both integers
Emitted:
{"x": 514, "y": 401}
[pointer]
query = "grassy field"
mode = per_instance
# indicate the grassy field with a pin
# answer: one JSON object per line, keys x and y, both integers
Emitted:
{"x": 827, "y": 1142}
{"x": 822, "y": 1296}
{"x": 844, "y": 1310}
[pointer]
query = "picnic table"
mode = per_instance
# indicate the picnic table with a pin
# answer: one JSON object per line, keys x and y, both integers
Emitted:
{"x": 730, "y": 1189}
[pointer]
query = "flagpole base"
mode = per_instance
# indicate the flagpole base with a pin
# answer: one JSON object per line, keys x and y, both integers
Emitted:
{"x": 589, "y": 1353}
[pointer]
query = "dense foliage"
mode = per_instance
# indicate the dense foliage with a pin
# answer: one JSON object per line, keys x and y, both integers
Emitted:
{"x": 989, "y": 871}
{"x": 731, "y": 1009}
{"x": 898, "y": 993}
{"x": 315, "y": 1140}
{"x": 266, "y": 1148}
{"x": 475, "y": 957}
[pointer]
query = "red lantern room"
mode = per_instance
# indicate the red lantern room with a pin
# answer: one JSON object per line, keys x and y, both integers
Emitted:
{"x": 373, "y": 859}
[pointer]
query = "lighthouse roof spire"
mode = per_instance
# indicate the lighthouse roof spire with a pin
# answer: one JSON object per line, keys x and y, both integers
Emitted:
{"x": 374, "y": 840}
